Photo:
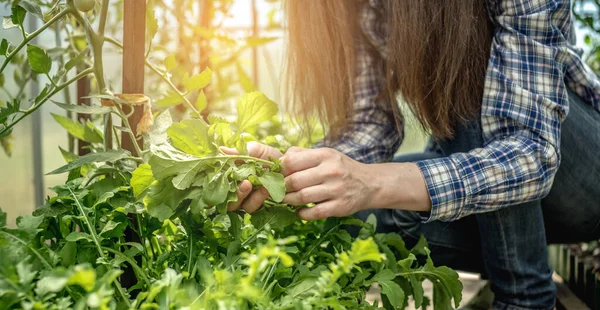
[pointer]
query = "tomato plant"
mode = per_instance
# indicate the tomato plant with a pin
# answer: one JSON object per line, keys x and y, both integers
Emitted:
{"x": 189, "y": 252}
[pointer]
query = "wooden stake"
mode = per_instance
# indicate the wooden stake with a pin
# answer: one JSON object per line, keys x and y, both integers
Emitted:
{"x": 134, "y": 44}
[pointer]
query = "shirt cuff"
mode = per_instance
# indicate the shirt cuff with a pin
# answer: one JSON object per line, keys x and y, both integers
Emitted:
{"x": 445, "y": 187}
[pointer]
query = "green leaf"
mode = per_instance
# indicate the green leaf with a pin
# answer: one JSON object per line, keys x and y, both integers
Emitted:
{"x": 113, "y": 229}
{"x": 4, "y": 47}
{"x": 38, "y": 60}
{"x": 162, "y": 199}
{"x": 171, "y": 99}
{"x": 418, "y": 291}
{"x": 51, "y": 284}
{"x": 364, "y": 250}
{"x": 141, "y": 179}
{"x": 383, "y": 275}
{"x": 201, "y": 102}
{"x": 68, "y": 254}
{"x": 29, "y": 224}
{"x": 393, "y": 292}
{"x": 274, "y": 183}
{"x": 108, "y": 156}
{"x": 216, "y": 189}
{"x": 256, "y": 41}
{"x": 18, "y": 15}
{"x": 84, "y": 276}
{"x": 191, "y": 136}
{"x": 301, "y": 288}
{"x": 76, "y": 236}
{"x": 83, "y": 109}
{"x": 446, "y": 284}
{"x": 421, "y": 247}
{"x": 198, "y": 81}
{"x": 7, "y": 23}
{"x": 170, "y": 62}
{"x": 26, "y": 273}
{"x": 33, "y": 8}
{"x": 254, "y": 108}
{"x": 275, "y": 217}
{"x": 86, "y": 132}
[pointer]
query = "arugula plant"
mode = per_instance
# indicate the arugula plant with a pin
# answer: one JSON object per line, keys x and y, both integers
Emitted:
{"x": 191, "y": 254}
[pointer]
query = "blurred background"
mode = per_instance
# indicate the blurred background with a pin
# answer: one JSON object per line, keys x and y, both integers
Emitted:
{"x": 240, "y": 40}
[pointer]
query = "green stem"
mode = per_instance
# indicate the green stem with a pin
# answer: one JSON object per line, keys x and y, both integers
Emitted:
{"x": 88, "y": 223}
{"x": 129, "y": 131}
{"x": 131, "y": 262}
{"x": 54, "y": 92}
{"x": 34, "y": 34}
{"x": 103, "y": 14}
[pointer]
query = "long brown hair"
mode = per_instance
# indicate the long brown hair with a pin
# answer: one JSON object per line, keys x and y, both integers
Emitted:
{"x": 437, "y": 57}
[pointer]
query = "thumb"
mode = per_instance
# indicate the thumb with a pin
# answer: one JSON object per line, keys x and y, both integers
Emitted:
{"x": 262, "y": 151}
{"x": 229, "y": 150}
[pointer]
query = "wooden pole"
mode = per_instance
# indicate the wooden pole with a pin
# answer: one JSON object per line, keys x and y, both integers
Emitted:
{"x": 134, "y": 45}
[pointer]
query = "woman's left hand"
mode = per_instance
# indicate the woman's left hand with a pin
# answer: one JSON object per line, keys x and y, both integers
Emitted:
{"x": 337, "y": 184}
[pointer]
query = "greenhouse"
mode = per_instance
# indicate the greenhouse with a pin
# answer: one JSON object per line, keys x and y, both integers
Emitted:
{"x": 300, "y": 154}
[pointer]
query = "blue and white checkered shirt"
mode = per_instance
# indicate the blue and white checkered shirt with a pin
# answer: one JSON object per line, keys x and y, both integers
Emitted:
{"x": 525, "y": 100}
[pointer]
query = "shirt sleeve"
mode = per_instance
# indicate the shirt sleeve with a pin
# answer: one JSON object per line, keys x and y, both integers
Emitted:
{"x": 373, "y": 134}
{"x": 524, "y": 102}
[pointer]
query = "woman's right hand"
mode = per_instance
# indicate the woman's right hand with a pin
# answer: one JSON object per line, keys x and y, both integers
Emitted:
{"x": 247, "y": 199}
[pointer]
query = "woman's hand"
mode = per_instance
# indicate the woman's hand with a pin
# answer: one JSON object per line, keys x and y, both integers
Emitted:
{"x": 339, "y": 185}
{"x": 247, "y": 199}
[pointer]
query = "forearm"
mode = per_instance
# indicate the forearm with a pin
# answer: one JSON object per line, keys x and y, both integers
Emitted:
{"x": 399, "y": 186}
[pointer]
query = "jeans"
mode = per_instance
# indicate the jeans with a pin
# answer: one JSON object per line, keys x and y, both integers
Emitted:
{"x": 509, "y": 246}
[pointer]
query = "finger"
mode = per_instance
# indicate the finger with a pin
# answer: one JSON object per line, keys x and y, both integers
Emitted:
{"x": 301, "y": 160}
{"x": 320, "y": 211}
{"x": 262, "y": 151}
{"x": 244, "y": 189}
{"x": 229, "y": 150}
{"x": 308, "y": 195}
{"x": 302, "y": 179}
{"x": 255, "y": 200}
{"x": 295, "y": 149}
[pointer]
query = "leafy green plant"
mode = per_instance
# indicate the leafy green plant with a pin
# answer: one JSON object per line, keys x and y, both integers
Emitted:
{"x": 587, "y": 14}
{"x": 163, "y": 213}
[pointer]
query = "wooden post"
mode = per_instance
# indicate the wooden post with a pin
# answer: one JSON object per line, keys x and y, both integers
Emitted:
{"x": 134, "y": 44}
{"x": 134, "y": 39}
{"x": 83, "y": 90}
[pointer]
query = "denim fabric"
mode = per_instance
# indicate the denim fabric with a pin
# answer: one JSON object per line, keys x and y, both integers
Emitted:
{"x": 509, "y": 245}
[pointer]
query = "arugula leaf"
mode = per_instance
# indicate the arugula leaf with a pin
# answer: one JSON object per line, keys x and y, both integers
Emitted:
{"x": 170, "y": 62}
{"x": 254, "y": 108}
{"x": 393, "y": 292}
{"x": 29, "y": 224}
{"x": 108, "y": 156}
{"x": 76, "y": 236}
{"x": 38, "y": 60}
{"x": 276, "y": 217}
{"x": 274, "y": 184}
{"x": 216, "y": 188}
{"x": 162, "y": 199}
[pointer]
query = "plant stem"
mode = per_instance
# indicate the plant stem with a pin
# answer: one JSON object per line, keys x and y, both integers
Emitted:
{"x": 42, "y": 101}
{"x": 129, "y": 131}
{"x": 103, "y": 14}
{"x": 133, "y": 264}
{"x": 32, "y": 35}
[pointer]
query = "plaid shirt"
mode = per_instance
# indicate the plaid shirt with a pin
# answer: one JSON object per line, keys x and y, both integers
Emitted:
{"x": 525, "y": 100}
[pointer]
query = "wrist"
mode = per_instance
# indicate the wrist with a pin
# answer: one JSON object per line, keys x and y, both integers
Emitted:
{"x": 399, "y": 186}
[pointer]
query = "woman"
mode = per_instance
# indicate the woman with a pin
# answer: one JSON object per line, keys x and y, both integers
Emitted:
{"x": 507, "y": 100}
